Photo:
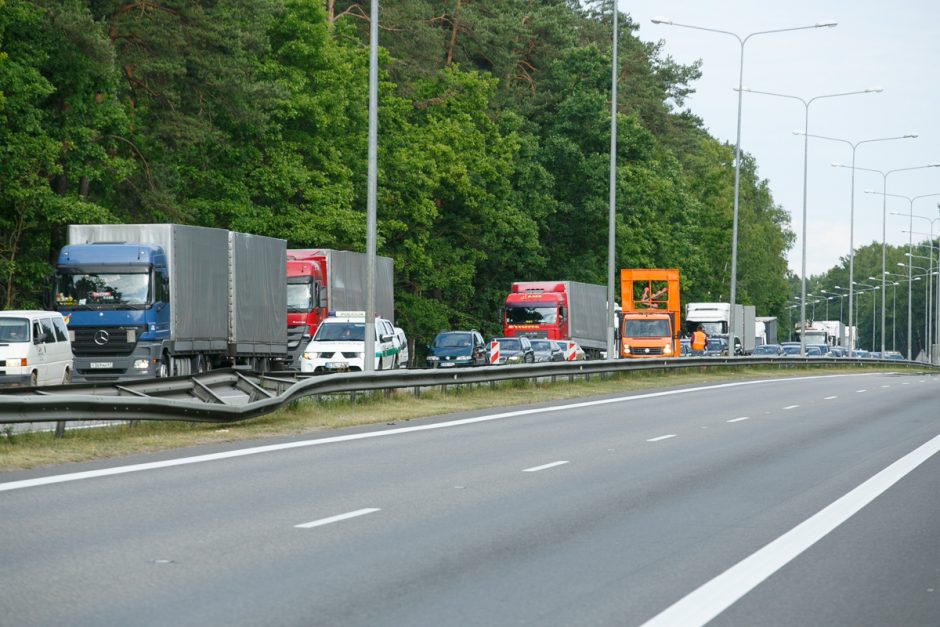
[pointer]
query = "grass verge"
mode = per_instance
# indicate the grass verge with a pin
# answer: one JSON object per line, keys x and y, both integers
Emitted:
{"x": 308, "y": 416}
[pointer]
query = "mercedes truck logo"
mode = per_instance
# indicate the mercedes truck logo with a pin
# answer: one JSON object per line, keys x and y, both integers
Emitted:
{"x": 101, "y": 337}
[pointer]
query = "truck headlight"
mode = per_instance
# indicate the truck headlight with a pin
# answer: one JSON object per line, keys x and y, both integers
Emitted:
{"x": 626, "y": 349}
{"x": 141, "y": 364}
{"x": 667, "y": 349}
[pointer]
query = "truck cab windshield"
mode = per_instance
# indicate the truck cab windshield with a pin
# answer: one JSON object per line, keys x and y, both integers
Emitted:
{"x": 97, "y": 290}
{"x": 531, "y": 315}
{"x": 646, "y": 328}
{"x": 715, "y": 328}
{"x": 299, "y": 297}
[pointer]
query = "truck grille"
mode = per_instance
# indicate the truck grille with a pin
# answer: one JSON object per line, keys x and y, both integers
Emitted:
{"x": 104, "y": 341}
{"x": 652, "y": 350}
{"x": 532, "y": 334}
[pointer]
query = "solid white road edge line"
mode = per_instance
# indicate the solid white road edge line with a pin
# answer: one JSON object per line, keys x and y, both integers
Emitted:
{"x": 717, "y": 595}
{"x": 662, "y": 437}
{"x": 333, "y": 519}
{"x": 120, "y": 470}
{"x": 545, "y": 466}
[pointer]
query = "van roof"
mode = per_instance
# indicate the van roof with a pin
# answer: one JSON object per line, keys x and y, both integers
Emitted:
{"x": 29, "y": 313}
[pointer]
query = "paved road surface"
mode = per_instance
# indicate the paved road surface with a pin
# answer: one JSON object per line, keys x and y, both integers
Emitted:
{"x": 614, "y": 511}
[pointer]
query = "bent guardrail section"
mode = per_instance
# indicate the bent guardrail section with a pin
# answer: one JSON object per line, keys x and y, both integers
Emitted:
{"x": 226, "y": 396}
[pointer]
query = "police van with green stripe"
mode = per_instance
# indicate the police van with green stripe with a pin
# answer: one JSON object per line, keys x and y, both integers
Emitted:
{"x": 340, "y": 342}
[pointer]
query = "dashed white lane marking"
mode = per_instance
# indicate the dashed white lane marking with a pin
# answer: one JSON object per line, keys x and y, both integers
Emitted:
{"x": 739, "y": 419}
{"x": 860, "y": 391}
{"x": 545, "y": 466}
{"x": 338, "y": 518}
{"x": 714, "y": 597}
{"x": 885, "y": 386}
{"x": 829, "y": 398}
{"x": 791, "y": 406}
{"x": 662, "y": 437}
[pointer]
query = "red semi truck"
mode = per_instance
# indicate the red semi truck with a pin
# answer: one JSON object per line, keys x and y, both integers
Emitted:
{"x": 320, "y": 280}
{"x": 558, "y": 310}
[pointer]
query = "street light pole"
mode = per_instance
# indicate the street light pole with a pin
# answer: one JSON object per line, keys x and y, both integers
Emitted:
{"x": 368, "y": 357}
{"x": 737, "y": 148}
{"x": 910, "y": 243}
{"x": 612, "y": 351}
{"x": 929, "y": 304}
{"x": 806, "y": 104}
{"x": 854, "y": 146}
{"x": 936, "y": 310}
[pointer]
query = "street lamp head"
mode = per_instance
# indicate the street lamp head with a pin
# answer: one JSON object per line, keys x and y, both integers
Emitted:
{"x": 910, "y": 136}
{"x": 874, "y": 90}
{"x": 661, "y": 20}
{"x": 836, "y": 164}
{"x": 826, "y": 24}
{"x": 871, "y": 191}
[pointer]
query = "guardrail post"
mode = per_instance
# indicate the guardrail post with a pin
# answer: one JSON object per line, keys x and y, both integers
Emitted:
{"x": 60, "y": 429}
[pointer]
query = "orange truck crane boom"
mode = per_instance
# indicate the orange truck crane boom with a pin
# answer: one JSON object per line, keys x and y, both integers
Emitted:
{"x": 649, "y": 325}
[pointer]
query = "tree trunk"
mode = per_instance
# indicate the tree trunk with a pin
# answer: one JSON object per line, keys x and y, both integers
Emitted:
{"x": 453, "y": 35}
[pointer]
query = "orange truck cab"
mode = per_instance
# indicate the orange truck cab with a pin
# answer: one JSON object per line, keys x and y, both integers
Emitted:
{"x": 649, "y": 325}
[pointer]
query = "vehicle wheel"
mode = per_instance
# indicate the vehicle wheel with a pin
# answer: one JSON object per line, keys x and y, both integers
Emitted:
{"x": 34, "y": 379}
{"x": 67, "y": 377}
{"x": 164, "y": 370}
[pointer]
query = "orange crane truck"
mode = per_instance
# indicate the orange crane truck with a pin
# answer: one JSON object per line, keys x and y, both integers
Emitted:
{"x": 649, "y": 325}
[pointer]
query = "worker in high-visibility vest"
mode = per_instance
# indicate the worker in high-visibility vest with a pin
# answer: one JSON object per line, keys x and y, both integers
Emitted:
{"x": 699, "y": 340}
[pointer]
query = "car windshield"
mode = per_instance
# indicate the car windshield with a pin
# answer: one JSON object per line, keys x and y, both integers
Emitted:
{"x": 452, "y": 340}
{"x": 119, "y": 288}
{"x": 789, "y": 349}
{"x": 646, "y": 328}
{"x": 14, "y": 330}
{"x": 542, "y": 345}
{"x": 716, "y": 344}
{"x": 341, "y": 332}
{"x": 531, "y": 315}
{"x": 510, "y": 345}
{"x": 766, "y": 349}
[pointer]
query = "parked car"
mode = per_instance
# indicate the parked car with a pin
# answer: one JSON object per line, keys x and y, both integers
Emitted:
{"x": 457, "y": 348}
{"x": 716, "y": 347}
{"x": 546, "y": 350}
{"x": 402, "y": 340}
{"x": 768, "y": 350}
{"x": 579, "y": 354}
{"x": 514, "y": 350}
{"x": 339, "y": 343}
{"x": 35, "y": 348}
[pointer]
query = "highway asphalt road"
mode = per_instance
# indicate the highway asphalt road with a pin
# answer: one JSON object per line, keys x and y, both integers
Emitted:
{"x": 808, "y": 501}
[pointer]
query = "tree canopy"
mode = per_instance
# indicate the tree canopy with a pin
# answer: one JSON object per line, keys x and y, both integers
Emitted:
{"x": 494, "y": 134}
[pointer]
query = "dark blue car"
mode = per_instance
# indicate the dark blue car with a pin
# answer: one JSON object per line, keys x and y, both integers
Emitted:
{"x": 457, "y": 348}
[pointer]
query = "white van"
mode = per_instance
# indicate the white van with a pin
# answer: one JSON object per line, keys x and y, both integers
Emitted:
{"x": 34, "y": 348}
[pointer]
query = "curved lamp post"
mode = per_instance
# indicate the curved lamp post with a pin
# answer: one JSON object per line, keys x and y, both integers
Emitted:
{"x": 910, "y": 243}
{"x": 854, "y": 146}
{"x": 806, "y": 104}
{"x": 737, "y": 146}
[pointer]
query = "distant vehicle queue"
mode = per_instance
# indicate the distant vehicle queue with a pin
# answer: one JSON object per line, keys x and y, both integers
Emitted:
{"x": 158, "y": 300}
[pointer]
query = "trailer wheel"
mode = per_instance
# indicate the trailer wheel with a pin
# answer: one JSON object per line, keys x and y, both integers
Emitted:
{"x": 164, "y": 370}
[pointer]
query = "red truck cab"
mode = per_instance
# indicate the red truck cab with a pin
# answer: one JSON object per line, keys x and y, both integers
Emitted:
{"x": 537, "y": 309}
{"x": 306, "y": 295}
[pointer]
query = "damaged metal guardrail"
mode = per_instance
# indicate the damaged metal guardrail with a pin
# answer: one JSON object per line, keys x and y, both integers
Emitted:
{"x": 225, "y": 396}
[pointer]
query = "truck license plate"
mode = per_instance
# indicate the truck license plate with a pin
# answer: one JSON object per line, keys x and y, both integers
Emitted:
{"x": 101, "y": 364}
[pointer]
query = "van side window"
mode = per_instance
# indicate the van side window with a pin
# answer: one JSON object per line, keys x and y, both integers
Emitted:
{"x": 61, "y": 331}
{"x": 48, "y": 331}
{"x": 38, "y": 333}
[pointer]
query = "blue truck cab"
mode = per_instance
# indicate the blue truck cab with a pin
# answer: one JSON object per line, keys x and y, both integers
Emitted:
{"x": 115, "y": 299}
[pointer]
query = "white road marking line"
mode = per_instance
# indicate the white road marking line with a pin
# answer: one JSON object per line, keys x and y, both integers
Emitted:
{"x": 829, "y": 398}
{"x": 860, "y": 391}
{"x": 662, "y": 437}
{"x": 270, "y": 448}
{"x": 739, "y": 419}
{"x": 906, "y": 383}
{"x": 545, "y": 466}
{"x": 885, "y": 386}
{"x": 711, "y": 599}
{"x": 333, "y": 519}
{"x": 791, "y": 406}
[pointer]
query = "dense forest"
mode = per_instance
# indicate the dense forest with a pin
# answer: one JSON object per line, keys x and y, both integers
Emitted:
{"x": 494, "y": 134}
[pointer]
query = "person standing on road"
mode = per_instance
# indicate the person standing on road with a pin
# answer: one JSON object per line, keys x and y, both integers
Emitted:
{"x": 699, "y": 340}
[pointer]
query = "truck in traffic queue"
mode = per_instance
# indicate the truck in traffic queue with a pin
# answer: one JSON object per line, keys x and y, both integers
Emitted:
{"x": 649, "y": 325}
{"x": 765, "y": 330}
{"x": 558, "y": 310}
{"x": 715, "y": 319}
{"x": 156, "y": 300}
{"x": 813, "y": 332}
{"x": 835, "y": 333}
{"x": 320, "y": 280}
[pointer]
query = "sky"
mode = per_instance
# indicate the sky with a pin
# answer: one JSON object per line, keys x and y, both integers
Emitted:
{"x": 893, "y": 46}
